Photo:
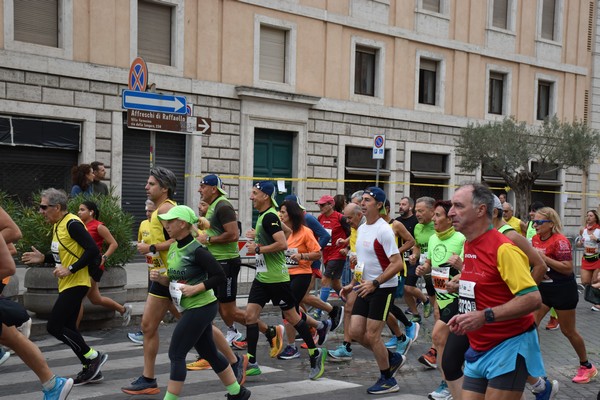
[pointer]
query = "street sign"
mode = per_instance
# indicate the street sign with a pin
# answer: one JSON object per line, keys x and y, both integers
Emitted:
{"x": 379, "y": 147}
{"x": 145, "y": 101}
{"x": 204, "y": 126}
{"x": 138, "y": 75}
{"x": 156, "y": 121}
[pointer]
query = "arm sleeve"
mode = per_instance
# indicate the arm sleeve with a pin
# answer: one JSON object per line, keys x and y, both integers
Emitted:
{"x": 271, "y": 224}
{"x": 320, "y": 232}
{"x": 90, "y": 251}
{"x": 206, "y": 261}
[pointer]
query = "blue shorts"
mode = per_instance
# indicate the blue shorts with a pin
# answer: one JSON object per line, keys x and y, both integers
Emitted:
{"x": 502, "y": 358}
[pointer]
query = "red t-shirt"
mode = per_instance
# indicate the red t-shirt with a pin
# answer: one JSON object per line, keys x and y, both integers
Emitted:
{"x": 333, "y": 226}
{"x": 556, "y": 247}
{"x": 92, "y": 227}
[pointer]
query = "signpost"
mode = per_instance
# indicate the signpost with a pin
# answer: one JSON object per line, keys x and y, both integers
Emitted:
{"x": 134, "y": 100}
{"x": 378, "y": 153}
{"x": 138, "y": 75}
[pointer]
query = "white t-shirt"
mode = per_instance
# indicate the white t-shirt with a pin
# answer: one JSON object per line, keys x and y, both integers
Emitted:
{"x": 375, "y": 244}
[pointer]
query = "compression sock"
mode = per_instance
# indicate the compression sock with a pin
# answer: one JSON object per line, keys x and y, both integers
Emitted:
{"x": 302, "y": 329}
{"x": 252, "y": 339}
{"x": 233, "y": 389}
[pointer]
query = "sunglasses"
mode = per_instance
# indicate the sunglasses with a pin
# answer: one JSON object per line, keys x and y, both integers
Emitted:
{"x": 540, "y": 221}
{"x": 45, "y": 206}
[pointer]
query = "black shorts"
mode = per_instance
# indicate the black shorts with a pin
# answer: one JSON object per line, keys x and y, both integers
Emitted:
{"x": 334, "y": 269}
{"x": 513, "y": 381}
{"x": 11, "y": 313}
{"x": 411, "y": 275}
{"x": 158, "y": 290}
{"x": 280, "y": 294}
{"x": 227, "y": 291}
{"x": 375, "y": 305}
{"x": 561, "y": 296}
{"x": 449, "y": 311}
{"x": 299, "y": 284}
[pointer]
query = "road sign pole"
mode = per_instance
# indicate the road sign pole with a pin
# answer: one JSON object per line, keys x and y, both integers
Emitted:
{"x": 152, "y": 148}
{"x": 377, "y": 174}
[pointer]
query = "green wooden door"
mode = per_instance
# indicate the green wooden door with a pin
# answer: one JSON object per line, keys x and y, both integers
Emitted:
{"x": 273, "y": 152}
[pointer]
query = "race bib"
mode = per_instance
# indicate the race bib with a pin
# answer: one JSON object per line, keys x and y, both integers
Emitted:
{"x": 261, "y": 264}
{"x": 358, "y": 271}
{"x": 466, "y": 301}
{"x": 154, "y": 262}
{"x": 289, "y": 261}
{"x": 329, "y": 231}
{"x": 175, "y": 291}
{"x": 440, "y": 276}
{"x": 54, "y": 250}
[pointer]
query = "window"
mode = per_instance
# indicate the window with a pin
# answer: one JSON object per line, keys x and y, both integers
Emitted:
{"x": 496, "y": 93}
{"x": 548, "y": 19}
{"x": 36, "y": 21}
{"x": 361, "y": 169}
{"x": 154, "y": 38}
{"x": 427, "y": 81}
{"x": 272, "y": 54}
{"x": 428, "y": 174}
{"x": 500, "y": 14}
{"x": 432, "y": 5}
{"x": 544, "y": 100}
{"x": 364, "y": 73}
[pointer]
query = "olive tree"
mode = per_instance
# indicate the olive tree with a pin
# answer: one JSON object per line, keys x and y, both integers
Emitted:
{"x": 508, "y": 148}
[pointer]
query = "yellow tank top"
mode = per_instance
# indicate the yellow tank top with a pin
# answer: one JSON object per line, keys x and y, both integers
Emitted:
{"x": 63, "y": 258}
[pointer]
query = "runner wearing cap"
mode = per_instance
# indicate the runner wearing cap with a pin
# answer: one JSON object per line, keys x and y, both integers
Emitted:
{"x": 375, "y": 281}
{"x": 272, "y": 282}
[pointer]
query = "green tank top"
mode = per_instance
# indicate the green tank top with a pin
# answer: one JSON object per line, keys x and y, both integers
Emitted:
{"x": 530, "y": 230}
{"x": 182, "y": 270}
{"x": 270, "y": 267}
{"x": 221, "y": 251}
{"x": 505, "y": 228}
{"x": 439, "y": 253}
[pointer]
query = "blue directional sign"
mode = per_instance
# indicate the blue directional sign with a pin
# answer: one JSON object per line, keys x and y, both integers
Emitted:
{"x": 145, "y": 101}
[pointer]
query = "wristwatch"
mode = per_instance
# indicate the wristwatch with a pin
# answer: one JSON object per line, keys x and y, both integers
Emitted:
{"x": 152, "y": 248}
{"x": 375, "y": 283}
{"x": 489, "y": 315}
{"x": 208, "y": 239}
{"x": 257, "y": 250}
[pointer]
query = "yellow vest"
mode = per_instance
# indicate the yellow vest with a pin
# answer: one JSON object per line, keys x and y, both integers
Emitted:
{"x": 64, "y": 258}
{"x": 157, "y": 234}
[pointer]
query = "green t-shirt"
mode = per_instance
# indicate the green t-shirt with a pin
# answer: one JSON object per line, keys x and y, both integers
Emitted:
{"x": 270, "y": 267}
{"x": 439, "y": 253}
{"x": 422, "y": 234}
{"x": 530, "y": 230}
{"x": 182, "y": 269}
{"x": 222, "y": 208}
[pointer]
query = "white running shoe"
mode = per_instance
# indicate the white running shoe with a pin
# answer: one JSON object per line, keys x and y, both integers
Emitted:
{"x": 233, "y": 335}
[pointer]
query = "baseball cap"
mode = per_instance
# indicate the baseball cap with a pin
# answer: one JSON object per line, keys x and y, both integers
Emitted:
{"x": 183, "y": 213}
{"x": 497, "y": 203}
{"x": 295, "y": 199}
{"x": 268, "y": 188}
{"x": 214, "y": 180}
{"x": 378, "y": 195}
{"x": 326, "y": 199}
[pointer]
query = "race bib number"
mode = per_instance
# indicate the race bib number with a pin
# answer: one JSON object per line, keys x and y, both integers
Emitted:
{"x": 330, "y": 234}
{"x": 358, "y": 271}
{"x": 466, "y": 302}
{"x": 440, "y": 276}
{"x": 175, "y": 291}
{"x": 54, "y": 250}
{"x": 289, "y": 261}
{"x": 154, "y": 262}
{"x": 261, "y": 264}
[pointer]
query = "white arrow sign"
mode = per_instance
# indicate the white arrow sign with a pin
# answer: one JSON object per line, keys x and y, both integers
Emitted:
{"x": 135, "y": 100}
{"x": 203, "y": 125}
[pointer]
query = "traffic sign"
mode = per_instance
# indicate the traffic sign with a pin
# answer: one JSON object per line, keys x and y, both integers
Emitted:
{"x": 379, "y": 147}
{"x": 138, "y": 75}
{"x": 204, "y": 126}
{"x": 144, "y": 101}
{"x": 157, "y": 121}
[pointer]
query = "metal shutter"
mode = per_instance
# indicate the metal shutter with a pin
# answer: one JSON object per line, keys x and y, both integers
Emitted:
{"x": 272, "y": 54}
{"x": 154, "y": 32}
{"x": 36, "y": 21}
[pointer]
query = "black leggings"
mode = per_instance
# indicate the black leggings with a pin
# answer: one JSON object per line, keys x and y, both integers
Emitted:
{"x": 63, "y": 320}
{"x": 194, "y": 329}
{"x": 454, "y": 356}
{"x": 399, "y": 314}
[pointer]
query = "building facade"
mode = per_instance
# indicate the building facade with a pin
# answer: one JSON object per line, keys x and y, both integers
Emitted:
{"x": 295, "y": 89}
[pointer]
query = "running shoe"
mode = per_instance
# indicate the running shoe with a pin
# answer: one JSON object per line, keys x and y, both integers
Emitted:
{"x": 142, "y": 385}
{"x": 427, "y": 309}
{"x": 240, "y": 344}
{"x": 549, "y": 392}
{"x": 383, "y": 386}
{"x": 317, "y": 364}
{"x": 415, "y": 319}
{"x": 404, "y": 346}
{"x": 136, "y": 337}
{"x": 253, "y": 369}
{"x": 25, "y": 328}
{"x": 340, "y": 354}
{"x": 90, "y": 370}
{"x": 441, "y": 393}
{"x": 239, "y": 368}
{"x": 98, "y": 378}
{"x": 413, "y": 331}
{"x": 198, "y": 365}
{"x": 274, "y": 336}
{"x": 397, "y": 360}
{"x": 552, "y": 324}
{"x": 323, "y": 332}
{"x": 244, "y": 394}
{"x": 60, "y": 391}
{"x": 392, "y": 343}
{"x": 233, "y": 334}
{"x": 585, "y": 374}
{"x": 429, "y": 359}
{"x": 4, "y": 355}
{"x": 127, "y": 314}
{"x": 595, "y": 308}
{"x": 337, "y": 317}
{"x": 290, "y": 352}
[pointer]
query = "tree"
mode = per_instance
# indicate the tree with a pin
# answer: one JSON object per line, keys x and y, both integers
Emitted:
{"x": 520, "y": 153}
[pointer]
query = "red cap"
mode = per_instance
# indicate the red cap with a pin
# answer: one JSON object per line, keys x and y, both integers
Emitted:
{"x": 326, "y": 199}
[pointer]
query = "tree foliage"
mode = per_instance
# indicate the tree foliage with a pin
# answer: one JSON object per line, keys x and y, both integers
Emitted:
{"x": 510, "y": 149}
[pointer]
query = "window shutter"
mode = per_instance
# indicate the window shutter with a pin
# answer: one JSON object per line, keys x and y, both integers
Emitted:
{"x": 272, "y": 54}
{"x": 154, "y": 32}
{"x": 36, "y": 21}
{"x": 500, "y": 17}
{"x": 590, "y": 26}
{"x": 431, "y": 5}
{"x": 428, "y": 65}
{"x": 548, "y": 11}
